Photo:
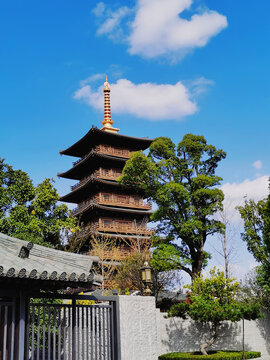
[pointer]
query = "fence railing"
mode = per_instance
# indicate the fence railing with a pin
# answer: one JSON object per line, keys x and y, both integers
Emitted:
{"x": 78, "y": 329}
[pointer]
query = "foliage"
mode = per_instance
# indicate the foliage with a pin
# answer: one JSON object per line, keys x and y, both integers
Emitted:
{"x": 256, "y": 234}
{"x": 128, "y": 274}
{"x": 217, "y": 355}
{"x": 31, "y": 212}
{"x": 44, "y": 318}
{"x": 105, "y": 247}
{"x": 252, "y": 288}
{"x": 214, "y": 300}
{"x": 181, "y": 180}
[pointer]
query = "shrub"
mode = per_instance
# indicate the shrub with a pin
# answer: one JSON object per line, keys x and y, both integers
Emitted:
{"x": 216, "y": 355}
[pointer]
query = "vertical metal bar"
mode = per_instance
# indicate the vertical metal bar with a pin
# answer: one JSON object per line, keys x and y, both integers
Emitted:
{"x": 38, "y": 333}
{"x": 21, "y": 327}
{"x": 108, "y": 332}
{"x": 78, "y": 332}
{"x": 87, "y": 333}
{"x": 33, "y": 332}
{"x": 117, "y": 329}
{"x": 112, "y": 330}
{"x": 5, "y": 332}
{"x": 59, "y": 332}
{"x": 49, "y": 332}
{"x": 83, "y": 342}
{"x": 54, "y": 333}
{"x": 103, "y": 336}
{"x": 64, "y": 335}
{"x": 73, "y": 329}
{"x": 92, "y": 330}
{"x": 13, "y": 329}
{"x": 99, "y": 331}
{"x": 43, "y": 334}
{"x": 69, "y": 334}
{"x": 27, "y": 331}
{"x": 95, "y": 327}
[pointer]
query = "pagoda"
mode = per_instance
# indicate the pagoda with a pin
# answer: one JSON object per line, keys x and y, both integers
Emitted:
{"x": 104, "y": 207}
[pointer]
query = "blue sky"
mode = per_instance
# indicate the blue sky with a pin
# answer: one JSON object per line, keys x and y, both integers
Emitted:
{"x": 212, "y": 57}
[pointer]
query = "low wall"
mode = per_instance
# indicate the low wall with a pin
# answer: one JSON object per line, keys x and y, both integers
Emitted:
{"x": 146, "y": 334}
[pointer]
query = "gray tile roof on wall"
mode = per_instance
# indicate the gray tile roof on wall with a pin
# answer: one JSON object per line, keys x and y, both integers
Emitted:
{"x": 43, "y": 263}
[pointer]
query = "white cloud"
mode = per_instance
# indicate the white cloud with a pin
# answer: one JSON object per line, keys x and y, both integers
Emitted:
{"x": 99, "y": 9}
{"x": 158, "y": 29}
{"x": 257, "y": 164}
{"x": 147, "y": 100}
{"x": 92, "y": 78}
{"x": 237, "y": 193}
{"x": 112, "y": 23}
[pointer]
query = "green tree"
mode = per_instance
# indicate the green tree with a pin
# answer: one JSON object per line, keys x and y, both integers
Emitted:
{"x": 256, "y": 234}
{"x": 215, "y": 300}
{"x": 31, "y": 213}
{"x": 181, "y": 181}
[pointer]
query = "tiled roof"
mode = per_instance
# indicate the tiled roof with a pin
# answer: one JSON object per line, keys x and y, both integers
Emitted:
{"x": 96, "y": 136}
{"x": 22, "y": 259}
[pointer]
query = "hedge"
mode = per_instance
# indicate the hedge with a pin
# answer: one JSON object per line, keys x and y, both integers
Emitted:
{"x": 216, "y": 355}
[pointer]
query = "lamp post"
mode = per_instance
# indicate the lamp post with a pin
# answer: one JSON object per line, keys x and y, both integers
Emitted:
{"x": 147, "y": 280}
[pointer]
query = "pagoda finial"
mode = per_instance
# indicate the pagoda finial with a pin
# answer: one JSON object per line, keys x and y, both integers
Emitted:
{"x": 107, "y": 121}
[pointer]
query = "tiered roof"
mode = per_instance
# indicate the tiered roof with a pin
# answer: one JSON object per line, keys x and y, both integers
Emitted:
{"x": 96, "y": 136}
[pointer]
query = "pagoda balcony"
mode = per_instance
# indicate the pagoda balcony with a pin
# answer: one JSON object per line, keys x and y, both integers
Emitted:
{"x": 77, "y": 161}
{"x": 124, "y": 229}
{"x": 121, "y": 200}
{"x": 80, "y": 183}
{"x": 117, "y": 254}
{"x": 109, "y": 174}
{"x": 114, "y": 151}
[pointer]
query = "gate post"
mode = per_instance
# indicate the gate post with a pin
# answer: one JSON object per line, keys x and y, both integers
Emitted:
{"x": 74, "y": 329}
{"x": 21, "y": 344}
{"x": 115, "y": 330}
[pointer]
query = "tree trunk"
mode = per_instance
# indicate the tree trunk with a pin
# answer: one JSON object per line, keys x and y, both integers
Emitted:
{"x": 210, "y": 342}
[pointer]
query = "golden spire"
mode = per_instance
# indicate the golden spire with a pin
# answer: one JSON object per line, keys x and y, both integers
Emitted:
{"x": 107, "y": 121}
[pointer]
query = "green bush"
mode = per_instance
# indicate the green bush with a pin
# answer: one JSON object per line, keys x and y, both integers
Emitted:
{"x": 216, "y": 355}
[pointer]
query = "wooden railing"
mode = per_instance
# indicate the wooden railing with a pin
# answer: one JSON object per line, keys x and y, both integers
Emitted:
{"x": 80, "y": 183}
{"x": 115, "y": 254}
{"x": 109, "y": 175}
{"x": 121, "y": 229}
{"x": 114, "y": 151}
{"x": 113, "y": 200}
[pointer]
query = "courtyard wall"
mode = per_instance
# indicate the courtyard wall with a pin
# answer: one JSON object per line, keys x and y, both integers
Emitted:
{"x": 146, "y": 333}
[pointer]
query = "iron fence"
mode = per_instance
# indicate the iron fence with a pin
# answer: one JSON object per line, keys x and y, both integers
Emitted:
{"x": 7, "y": 328}
{"x": 72, "y": 330}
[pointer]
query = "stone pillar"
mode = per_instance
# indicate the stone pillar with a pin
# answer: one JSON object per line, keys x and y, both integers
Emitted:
{"x": 138, "y": 327}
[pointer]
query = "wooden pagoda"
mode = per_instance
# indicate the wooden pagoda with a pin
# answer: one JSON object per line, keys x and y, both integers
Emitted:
{"x": 104, "y": 206}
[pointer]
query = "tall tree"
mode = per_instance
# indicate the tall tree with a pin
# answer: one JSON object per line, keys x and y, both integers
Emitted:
{"x": 181, "y": 181}
{"x": 256, "y": 234}
{"x": 31, "y": 213}
{"x": 214, "y": 300}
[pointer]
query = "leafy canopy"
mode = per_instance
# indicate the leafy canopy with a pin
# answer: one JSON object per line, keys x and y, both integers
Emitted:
{"x": 256, "y": 234}
{"x": 31, "y": 213}
{"x": 181, "y": 181}
{"x": 214, "y": 300}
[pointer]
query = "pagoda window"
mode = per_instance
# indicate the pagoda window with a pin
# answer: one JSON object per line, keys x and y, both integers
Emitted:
{"x": 107, "y": 222}
{"x": 124, "y": 223}
{"x": 136, "y": 200}
{"x": 106, "y": 197}
{"x": 123, "y": 199}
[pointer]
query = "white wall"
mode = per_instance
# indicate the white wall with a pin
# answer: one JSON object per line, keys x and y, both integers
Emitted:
{"x": 146, "y": 334}
{"x": 138, "y": 328}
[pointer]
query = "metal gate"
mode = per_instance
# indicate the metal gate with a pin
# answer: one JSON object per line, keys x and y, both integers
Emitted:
{"x": 7, "y": 327}
{"x": 73, "y": 328}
